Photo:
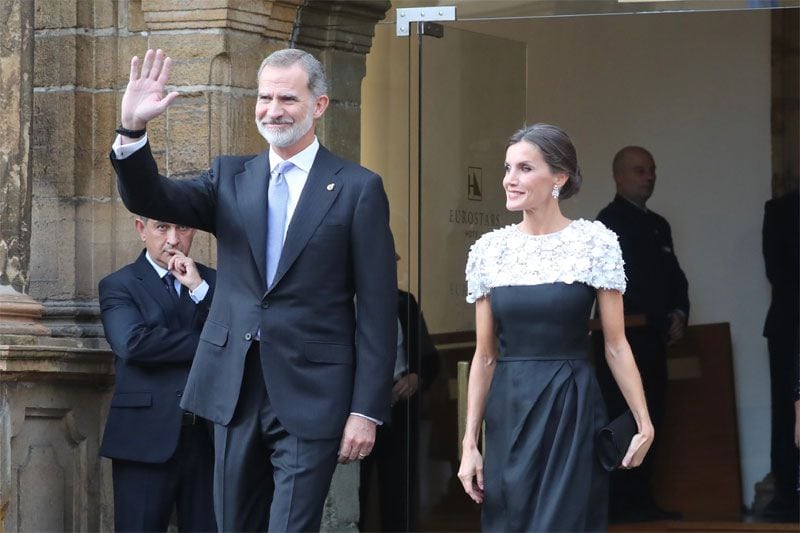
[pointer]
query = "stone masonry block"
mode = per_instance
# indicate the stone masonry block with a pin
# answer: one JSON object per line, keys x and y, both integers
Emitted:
{"x": 190, "y": 72}
{"x": 135, "y": 16}
{"x": 83, "y": 151}
{"x": 345, "y": 71}
{"x": 233, "y": 126}
{"x": 52, "y": 268}
{"x": 105, "y": 121}
{"x": 96, "y": 117}
{"x": 181, "y": 47}
{"x": 104, "y": 13}
{"x": 91, "y": 218}
{"x": 188, "y": 136}
{"x": 127, "y": 47}
{"x": 96, "y": 62}
{"x": 246, "y": 52}
{"x": 50, "y": 14}
{"x": 101, "y": 244}
{"x": 53, "y": 139}
{"x": 340, "y": 131}
{"x": 54, "y": 61}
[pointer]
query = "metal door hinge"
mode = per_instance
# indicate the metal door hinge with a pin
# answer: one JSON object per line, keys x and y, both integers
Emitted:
{"x": 405, "y": 16}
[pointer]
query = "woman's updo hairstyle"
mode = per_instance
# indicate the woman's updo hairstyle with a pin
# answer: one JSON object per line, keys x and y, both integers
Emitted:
{"x": 558, "y": 152}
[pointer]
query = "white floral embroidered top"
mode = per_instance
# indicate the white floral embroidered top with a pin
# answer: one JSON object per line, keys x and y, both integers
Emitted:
{"x": 584, "y": 251}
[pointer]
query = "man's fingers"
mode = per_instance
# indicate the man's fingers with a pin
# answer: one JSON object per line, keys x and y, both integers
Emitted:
{"x": 168, "y": 99}
{"x": 134, "y": 75}
{"x": 158, "y": 61}
{"x": 163, "y": 75}
{"x": 148, "y": 63}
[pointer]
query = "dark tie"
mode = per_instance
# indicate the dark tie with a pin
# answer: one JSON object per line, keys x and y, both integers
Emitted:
{"x": 277, "y": 201}
{"x": 169, "y": 281}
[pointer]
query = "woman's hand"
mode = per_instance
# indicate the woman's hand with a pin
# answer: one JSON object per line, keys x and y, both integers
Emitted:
{"x": 640, "y": 444}
{"x": 797, "y": 423}
{"x": 471, "y": 473}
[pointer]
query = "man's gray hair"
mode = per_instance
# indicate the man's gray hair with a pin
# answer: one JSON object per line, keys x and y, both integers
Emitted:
{"x": 287, "y": 57}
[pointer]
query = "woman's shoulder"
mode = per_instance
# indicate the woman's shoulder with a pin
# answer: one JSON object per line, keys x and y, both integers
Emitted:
{"x": 493, "y": 238}
{"x": 596, "y": 230}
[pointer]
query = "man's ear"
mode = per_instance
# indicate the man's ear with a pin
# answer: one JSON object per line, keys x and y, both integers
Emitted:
{"x": 140, "y": 227}
{"x": 320, "y": 106}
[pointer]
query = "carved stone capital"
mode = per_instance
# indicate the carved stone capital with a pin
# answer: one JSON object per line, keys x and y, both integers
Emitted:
{"x": 270, "y": 18}
{"x": 347, "y": 25}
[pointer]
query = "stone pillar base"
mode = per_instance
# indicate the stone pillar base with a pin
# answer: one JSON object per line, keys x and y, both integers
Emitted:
{"x": 19, "y": 314}
{"x": 53, "y": 401}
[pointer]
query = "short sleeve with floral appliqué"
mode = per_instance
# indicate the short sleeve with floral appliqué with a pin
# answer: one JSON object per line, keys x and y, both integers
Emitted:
{"x": 585, "y": 252}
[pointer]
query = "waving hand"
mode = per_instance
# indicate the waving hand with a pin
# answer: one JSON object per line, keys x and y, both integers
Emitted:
{"x": 144, "y": 98}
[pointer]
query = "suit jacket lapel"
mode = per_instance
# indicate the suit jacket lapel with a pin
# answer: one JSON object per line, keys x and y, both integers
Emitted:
{"x": 315, "y": 201}
{"x": 153, "y": 284}
{"x": 251, "y": 197}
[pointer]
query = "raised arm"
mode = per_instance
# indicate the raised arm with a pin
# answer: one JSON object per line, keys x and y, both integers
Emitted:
{"x": 626, "y": 374}
{"x": 480, "y": 377}
{"x": 144, "y": 97}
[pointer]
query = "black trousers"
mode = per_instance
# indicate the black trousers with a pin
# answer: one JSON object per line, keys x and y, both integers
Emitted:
{"x": 264, "y": 478}
{"x": 145, "y": 493}
{"x": 632, "y": 489}
{"x": 783, "y": 453}
{"x": 394, "y": 457}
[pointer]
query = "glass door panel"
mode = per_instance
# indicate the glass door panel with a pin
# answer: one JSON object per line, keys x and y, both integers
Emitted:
{"x": 684, "y": 78}
{"x": 471, "y": 98}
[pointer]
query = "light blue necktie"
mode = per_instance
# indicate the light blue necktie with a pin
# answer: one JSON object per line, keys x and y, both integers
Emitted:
{"x": 277, "y": 200}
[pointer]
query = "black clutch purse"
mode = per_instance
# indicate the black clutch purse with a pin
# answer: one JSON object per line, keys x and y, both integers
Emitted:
{"x": 612, "y": 441}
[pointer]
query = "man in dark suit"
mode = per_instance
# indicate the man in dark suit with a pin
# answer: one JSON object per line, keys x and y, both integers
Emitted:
{"x": 781, "y": 239}
{"x": 162, "y": 456}
{"x": 658, "y": 289}
{"x": 395, "y": 453}
{"x": 294, "y": 364}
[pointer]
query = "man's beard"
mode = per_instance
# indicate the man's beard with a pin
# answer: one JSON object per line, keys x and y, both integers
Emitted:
{"x": 283, "y": 137}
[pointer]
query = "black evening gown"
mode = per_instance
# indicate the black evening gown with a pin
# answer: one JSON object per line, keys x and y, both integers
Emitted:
{"x": 543, "y": 410}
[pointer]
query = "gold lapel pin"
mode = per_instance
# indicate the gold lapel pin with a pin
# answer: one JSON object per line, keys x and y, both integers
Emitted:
{"x": 331, "y": 186}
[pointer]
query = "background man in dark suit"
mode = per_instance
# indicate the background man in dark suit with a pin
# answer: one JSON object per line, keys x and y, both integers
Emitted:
{"x": 395, "y": 453}
{"x": 289, "y": 375}
{"x": 153, "y": 311}
{"x": 781, "y": 239}
{"x": 658, "y": 289}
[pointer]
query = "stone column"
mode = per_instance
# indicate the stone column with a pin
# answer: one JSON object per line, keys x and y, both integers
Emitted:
{"x": 51, "y": 390}
{"x": 19, "y": 313}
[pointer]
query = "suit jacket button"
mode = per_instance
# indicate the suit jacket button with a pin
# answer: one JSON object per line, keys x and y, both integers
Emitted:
{"x": 248, "y": 336}
{"x": 264, "y": 305}
{"x": 179, "y": 393}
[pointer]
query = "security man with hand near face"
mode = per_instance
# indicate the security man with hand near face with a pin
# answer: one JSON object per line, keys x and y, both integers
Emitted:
{"x": 162, "y": 456}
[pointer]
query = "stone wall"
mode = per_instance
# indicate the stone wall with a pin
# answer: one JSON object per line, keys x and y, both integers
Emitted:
{"x": 63, "y": 67}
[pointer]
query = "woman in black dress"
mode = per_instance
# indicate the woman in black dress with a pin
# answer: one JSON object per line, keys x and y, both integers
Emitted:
{"x": 531, "y": 381}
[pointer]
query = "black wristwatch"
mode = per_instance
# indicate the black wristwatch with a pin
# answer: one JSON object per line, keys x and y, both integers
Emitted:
{"x": 133, "y": 134}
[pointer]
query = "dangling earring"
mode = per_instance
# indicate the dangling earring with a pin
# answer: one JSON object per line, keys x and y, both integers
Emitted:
{"x": 556, "y": 193}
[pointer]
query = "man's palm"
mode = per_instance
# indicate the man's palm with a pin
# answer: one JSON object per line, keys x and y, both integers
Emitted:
{"x": 144, "y": 97}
